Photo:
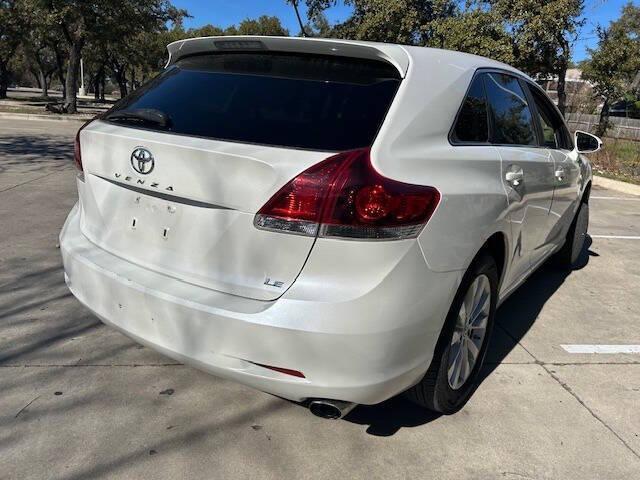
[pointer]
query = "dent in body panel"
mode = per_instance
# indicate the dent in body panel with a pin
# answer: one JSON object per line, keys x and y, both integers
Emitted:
{"x": 412, "y": 146}
{"x": 473, "y": 203}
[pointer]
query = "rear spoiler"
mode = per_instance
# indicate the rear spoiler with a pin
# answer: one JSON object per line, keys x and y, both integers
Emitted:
{"x": 395, "y": 55}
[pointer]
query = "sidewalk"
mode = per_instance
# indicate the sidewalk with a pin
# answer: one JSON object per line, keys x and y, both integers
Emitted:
{"x": 78, "y": 117}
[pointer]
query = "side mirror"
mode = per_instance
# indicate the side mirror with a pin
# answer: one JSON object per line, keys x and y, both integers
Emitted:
{"x": 587, "y": 143}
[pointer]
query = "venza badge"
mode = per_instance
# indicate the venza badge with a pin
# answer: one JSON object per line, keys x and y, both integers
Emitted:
{"x": 142, "y": 160}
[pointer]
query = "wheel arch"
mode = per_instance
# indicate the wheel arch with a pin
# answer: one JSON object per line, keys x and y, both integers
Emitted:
{"x": 586, "y": 193}
{"x": 496, "y": 246}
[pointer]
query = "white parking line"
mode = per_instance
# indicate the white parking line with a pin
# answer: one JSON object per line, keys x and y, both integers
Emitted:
{"x": 620, "y": 237}
{"x": 615, "y": 198}
{"x": 601, "y": 348}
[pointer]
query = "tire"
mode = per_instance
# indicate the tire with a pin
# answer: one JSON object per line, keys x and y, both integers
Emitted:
{"x": 567, "y": 257}
{"x": 437, "y": 391}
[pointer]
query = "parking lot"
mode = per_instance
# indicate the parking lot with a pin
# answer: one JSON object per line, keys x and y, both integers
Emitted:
{"x": 79, "y": 400}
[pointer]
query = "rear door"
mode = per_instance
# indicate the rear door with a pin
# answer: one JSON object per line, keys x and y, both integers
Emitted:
{"x": 566, "y": 160}
{"x": 527, "y": 169}
{"x": 175, "y": 173}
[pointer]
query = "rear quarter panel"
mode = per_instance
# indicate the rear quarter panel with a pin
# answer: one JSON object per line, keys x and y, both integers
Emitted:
{"x": 413, "y": 147}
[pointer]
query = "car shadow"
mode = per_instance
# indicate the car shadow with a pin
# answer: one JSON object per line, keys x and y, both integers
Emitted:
{"x": 513, "y": 320}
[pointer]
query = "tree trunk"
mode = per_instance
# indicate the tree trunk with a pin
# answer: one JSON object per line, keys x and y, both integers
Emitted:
{"x": 96, "y": 87}
{"x": 603, "y": 124}
{"x": 102, "y": 82}
{"x": 4, "y": 79}
{"x": 302, "y": 29}
{"x": 122, "y": 83}
{"x": 73, "y": 70}
{"x": 121, "y": 78}
{"x": 562, "y": 94}
{"x": 98, "y": 81}
{"x": 37, "y": 75}
{"x": 47, "y": 76}
{"x": 42, "y": 83}
{"x": 60, "y": 69}
{"x": 133, "y": 79}
{"x": 562, "y": 74}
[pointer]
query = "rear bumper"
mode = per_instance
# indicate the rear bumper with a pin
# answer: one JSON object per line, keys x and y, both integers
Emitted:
{"x": 362, "y": 349}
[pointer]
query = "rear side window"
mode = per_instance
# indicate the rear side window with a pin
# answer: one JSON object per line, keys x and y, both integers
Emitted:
{"x": 302, "y": 101}
{"x": 548, "y": 132}
{"x": 554, "y": 131}
{"x": 509, "y": 111}
{"x": 472, "y": 125}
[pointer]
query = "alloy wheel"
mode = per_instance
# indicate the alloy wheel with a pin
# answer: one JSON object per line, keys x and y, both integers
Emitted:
{"x": 469, "y": 332}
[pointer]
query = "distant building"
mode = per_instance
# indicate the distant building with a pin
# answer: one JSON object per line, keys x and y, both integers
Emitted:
{"x": 580, "y": 95}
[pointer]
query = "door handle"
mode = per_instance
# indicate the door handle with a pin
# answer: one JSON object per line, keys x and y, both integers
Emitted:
{"x": 560, "y": 174}
{"x": 515, "y": 177}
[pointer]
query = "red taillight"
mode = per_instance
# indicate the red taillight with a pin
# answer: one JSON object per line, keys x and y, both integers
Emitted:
{"x": 77, "y": 156}
{"x": 344, "y": 196}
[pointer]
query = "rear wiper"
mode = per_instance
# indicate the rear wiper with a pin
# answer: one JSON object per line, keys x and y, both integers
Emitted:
{"x": 142, "y": 116}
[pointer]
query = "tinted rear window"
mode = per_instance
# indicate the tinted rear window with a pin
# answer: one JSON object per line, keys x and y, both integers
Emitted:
{"x": 512, "y": 119}
{"x": 301, "y": 101}
{"x": 472, "y": 124}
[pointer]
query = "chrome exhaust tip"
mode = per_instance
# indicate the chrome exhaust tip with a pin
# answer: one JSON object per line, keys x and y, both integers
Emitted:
{"x": 331, "y": 409}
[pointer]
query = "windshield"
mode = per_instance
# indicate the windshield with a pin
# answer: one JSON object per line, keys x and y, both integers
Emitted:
{"x": 302, "y": 101}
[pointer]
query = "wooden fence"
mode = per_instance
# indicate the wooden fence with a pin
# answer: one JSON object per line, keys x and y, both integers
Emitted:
{"x": 620, "y": 127}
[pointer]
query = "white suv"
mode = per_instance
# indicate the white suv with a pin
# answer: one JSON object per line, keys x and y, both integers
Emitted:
{"x": 332, "y": 222}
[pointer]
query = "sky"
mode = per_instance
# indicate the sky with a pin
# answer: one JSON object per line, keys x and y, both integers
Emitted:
{"x": 224, "y": 13}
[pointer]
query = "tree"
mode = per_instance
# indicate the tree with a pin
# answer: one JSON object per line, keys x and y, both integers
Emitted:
{"x": 318, "y": 26}
{"x": 133, "y": 54}
{"x": 396, "y": 21}
{"x": 263, "y": 25}
{"x": 295, "y": 4}
{"x": 81, "y": 21}
{"x": 542, "y": 33}
{"x": 615, "y": 62}
{"x": 95, "y": 58}
{"x": 37, "y": 47}
{"x": 13, "y": 22}
{"x": 205, "y": 31}
{"x": 477, "y": 31}
{"x": 315, "y": 7}
{"x": 629, "y": 20}
{"x": 61, "y": 60}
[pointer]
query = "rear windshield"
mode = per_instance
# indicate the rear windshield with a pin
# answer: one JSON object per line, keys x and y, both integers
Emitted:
{"x": 302, "y": 101}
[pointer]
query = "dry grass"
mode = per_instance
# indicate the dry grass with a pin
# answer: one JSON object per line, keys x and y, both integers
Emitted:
{"x": 619, "y": 159}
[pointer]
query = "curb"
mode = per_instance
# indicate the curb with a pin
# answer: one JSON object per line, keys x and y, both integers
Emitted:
{"x": 41, "y": 117}
{"x": 617, "y": 185}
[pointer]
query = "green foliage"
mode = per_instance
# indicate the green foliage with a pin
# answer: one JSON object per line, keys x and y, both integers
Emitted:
{"x": 122, "y": 39}
{"x": 629, "y": 20}
{"x": 478, "y": 31}
{"x": 396, "y": 21}
{"x": 13, "y": 22}
{"x": 542, "y": 31}
{"x": 615, "y": 63}
{"x": 315, "y": 7}
{"x": 205, "y": 31}
{"x": 318, "y": 26}
{"x": 534, "y": 35}
{"x": 263, "y": 25}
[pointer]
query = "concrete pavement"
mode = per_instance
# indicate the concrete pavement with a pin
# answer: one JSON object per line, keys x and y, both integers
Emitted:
{"x": 79, "y": 400}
